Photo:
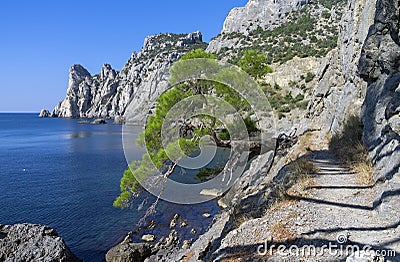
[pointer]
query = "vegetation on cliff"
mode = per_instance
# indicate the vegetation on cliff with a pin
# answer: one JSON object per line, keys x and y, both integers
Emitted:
{"x": 310, "y": 31}
{"x": 191, "y": 130}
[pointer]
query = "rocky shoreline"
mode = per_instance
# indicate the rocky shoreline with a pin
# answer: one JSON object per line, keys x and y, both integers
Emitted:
{"x": 33, "y": 242}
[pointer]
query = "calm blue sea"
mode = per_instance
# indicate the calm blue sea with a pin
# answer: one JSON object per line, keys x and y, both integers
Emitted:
{"x": 66, "y": 175}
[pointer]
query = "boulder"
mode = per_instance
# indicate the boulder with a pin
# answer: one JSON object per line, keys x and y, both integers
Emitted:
{"x": 148, "y": 238}
{"x": 128, "y": 251}
{"x": 172, "y": 239}
{"x": 186, "y": 244}
{"x": 29, "y": 242}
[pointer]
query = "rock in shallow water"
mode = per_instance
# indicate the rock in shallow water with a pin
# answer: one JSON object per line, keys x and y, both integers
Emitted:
{"x": 128, "y": 251}
{"x": 148, "y": 238}
{"x": 99, "y": 122}
{"x": 174, "y": 220}
{"x": 28, "y": 242}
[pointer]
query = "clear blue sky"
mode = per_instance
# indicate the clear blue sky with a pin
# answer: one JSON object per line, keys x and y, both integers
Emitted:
{"x": 41, "y": 39}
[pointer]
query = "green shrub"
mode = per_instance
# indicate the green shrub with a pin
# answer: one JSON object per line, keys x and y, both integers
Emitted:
{"x": 298, "y": 98}
{"x": 302, "y": 104}
{"x": 326, "y": 14}
{"x": 250, "y": 125}
{"x": 208, "y": 173}
{"x": 284, "y": 109}
{"x": 309, "y": 77}
{"x": 254, "y": 64}
{"x": 224, "y": 134}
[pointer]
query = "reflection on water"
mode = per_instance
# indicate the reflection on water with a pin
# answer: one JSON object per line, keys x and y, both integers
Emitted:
{"x": 78, "y": 135}
{"x": 75, "y": 135}
{"x": 189, "y": 175}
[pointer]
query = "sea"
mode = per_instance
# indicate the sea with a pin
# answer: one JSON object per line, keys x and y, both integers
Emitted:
{"x": 65, "y": 174}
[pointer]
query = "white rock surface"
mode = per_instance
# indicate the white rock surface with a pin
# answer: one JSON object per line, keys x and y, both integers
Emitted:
{"x": 107, "y": 95}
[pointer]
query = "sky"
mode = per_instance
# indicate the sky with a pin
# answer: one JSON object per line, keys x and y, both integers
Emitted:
{"x": 41, "y": 39}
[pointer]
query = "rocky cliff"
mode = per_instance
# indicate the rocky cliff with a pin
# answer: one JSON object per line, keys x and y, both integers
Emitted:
{"x": 275, "y": 27}
{"x": 279, "y": 28}
{"x": 107, "y": 94}
{"x": 379, "y": 66}
{"x": 340, "y": 91}
{"x": 264, "y": 14}
{"x": 260, "y": 13}
{"x": 361, "y": 77}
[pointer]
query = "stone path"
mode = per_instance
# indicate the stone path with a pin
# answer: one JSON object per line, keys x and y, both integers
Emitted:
{"x": 338, "y": 209}
{"x": 335, "y": 208}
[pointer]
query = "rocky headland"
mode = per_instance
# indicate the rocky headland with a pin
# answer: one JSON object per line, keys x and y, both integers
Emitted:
{"x": 107, "y": 94}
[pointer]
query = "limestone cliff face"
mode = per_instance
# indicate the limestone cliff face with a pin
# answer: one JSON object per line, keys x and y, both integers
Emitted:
{"x": 266, "y": 14}
{"x": 107, "y": 94}
{"x": 380, "y": 67}
{"x": 363, "y": 74}
{"x": 362, "y": 77}
{"x": 259, "y": 13}
{"x": 340, "y": 91}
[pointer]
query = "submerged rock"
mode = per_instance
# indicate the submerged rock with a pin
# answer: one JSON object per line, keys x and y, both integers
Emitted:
{"x": 174, "y": 220}
{"x": 206, "y": 215}
{"x": 28, "y": 242}
{"x": 172, "y": 239}
{"x": 260, "y": 13}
